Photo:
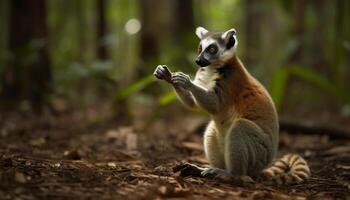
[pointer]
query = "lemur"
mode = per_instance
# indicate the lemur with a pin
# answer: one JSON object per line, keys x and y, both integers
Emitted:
{"x": 242, "y": 137}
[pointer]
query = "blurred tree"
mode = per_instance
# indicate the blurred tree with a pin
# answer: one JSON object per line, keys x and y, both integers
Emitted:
{"x": 27, "y": 75}
{"x": 342, "y": 42}
{"x": 4, "y": 15}
{"x": 122, "y": 40}
{"x": 101, "y": 29}
{"x": 150, "y": 44}
{"x": 253, "y": 22}
{"x": 298, "y": 30}
{"x": 321, "y": 35}
{"x": 184, "y": 17}
{"x": 183, "y": 34}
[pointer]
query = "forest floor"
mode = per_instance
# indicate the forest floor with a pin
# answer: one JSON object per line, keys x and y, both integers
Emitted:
{"x": 69, "y": 157}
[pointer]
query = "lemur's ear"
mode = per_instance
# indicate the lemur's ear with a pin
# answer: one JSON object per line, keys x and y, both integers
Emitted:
{"x": 200, "y": 32}
{"x": 228, "y": 36}
{"x": 229, "y": 33}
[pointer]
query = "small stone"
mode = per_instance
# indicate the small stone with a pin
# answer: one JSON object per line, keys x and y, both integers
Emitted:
{"x": 111, "y": 164}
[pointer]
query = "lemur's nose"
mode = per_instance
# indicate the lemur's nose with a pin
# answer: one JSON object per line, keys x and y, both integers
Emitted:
{"x": 198, "y": 61}
{"x": 202, "y": 62}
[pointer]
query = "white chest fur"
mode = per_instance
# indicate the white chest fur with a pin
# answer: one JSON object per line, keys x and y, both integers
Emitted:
{"x": 205, "y": 77}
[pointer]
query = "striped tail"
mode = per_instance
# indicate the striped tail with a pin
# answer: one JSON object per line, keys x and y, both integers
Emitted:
{"x": 291, "y": 168}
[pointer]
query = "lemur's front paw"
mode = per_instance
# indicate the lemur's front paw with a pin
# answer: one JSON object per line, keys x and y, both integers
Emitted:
{"x": 182, "y": 80}
{"x": 163, "y": 73}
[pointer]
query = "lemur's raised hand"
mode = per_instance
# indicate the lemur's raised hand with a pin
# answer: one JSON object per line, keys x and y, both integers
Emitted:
{"x": 242, "y": 137}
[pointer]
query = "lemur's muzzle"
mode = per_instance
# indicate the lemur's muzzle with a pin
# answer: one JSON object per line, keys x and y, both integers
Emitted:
{"x": 202, "y": 62}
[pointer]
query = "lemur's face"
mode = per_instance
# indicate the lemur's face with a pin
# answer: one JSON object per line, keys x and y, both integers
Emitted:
{"x": 215, "y": 47}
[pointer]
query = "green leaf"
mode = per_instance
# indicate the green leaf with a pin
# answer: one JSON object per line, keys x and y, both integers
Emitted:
{"x": 135, "y": 87}
{"x": 320, "y": 81}
{"x": 167, "y": 98}
{"x": 278, "y": 85}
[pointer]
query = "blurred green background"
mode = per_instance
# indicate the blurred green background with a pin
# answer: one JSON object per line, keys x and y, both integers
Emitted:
{"x": 59, "y": 55}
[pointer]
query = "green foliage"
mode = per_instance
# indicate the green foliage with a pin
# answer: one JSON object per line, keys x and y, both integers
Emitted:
{"x": 135, "y": 87}
{"x": 167, "y": 98}
{"x": 320, "y": 81}
{"x": 279, "y": 35}
{"x": 278, "y": 85}
{"x": 280, "y": 80}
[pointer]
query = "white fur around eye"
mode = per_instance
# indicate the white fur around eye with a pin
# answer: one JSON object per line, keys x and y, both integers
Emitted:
{"x": 206, "y": 42}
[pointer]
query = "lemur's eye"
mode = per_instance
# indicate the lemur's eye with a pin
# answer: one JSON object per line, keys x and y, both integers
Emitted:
{"x": 200, "y": 48}
{"x": 213, "y": 49}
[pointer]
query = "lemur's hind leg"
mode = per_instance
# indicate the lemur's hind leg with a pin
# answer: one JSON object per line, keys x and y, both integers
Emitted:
{"x": 212, "y": 147}
{"x": 248, "y": 149}
{"x": 213, "y": 153}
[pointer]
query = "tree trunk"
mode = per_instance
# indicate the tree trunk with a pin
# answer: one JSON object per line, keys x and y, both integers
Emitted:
{"x": 320, "y": 41}
{"x": 299, "y": 29}
{"x": 101, "y": 30}
{"x": 342, "y": 34}
{"x": 252, "y": 31}
{"x": 185, "y": 17}
{"x": 150, "y": 46}
{"x": 27, "y": 75}
{"x": 183, "y": 35}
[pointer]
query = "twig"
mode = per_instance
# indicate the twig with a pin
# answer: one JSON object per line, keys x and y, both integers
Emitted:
{"x": 307, "y": 128}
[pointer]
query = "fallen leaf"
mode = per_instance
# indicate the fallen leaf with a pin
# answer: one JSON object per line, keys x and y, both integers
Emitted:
{"x": 57, "y": 165}
{"x": 338, "y": 150}
{"x": 113, "y": 134}
{"x": 20, "y": 177}
{"x": 192, "y": 146}
{"x": 162, "y": 190}
{"x": 131, "y": 141}
{"x": 119, "y": 134}
{"x": 72, "y": 155}
{"x": 346, "y": 167}
{"x": 38, "y": 142}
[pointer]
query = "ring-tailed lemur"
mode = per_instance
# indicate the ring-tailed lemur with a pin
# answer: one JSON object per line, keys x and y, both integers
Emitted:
{"x": 242, "y": 137}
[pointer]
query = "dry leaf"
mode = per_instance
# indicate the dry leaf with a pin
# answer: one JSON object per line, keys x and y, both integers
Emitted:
{"x": 192, "y": 146}
{"x": 346, "y": 167}
{"x": 20, "y": 177}
{"x": 72, "y": 155}
{"x": 338, "y": 150}
{"x": 111, "y": 164}
{"x": 162, "y": 190}
{"x": 131, "y": 141}
{"x": 38, "y": 142}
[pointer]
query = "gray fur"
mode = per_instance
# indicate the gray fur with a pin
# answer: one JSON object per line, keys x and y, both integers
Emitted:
{"x": 185, "y": 96}
{"x": 248, "y": 149}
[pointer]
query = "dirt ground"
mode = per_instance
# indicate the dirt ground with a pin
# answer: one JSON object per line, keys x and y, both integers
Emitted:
{"x": 71, "y": 157}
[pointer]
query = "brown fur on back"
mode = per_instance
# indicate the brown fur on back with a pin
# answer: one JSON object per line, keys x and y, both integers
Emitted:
{"x": 237, "y": 89}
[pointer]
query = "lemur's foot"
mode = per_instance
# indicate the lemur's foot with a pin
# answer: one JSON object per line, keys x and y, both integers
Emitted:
{"x": 163, "y": 73}
{"x": 212, "y": 172}
{"x": 187, "y": 169}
